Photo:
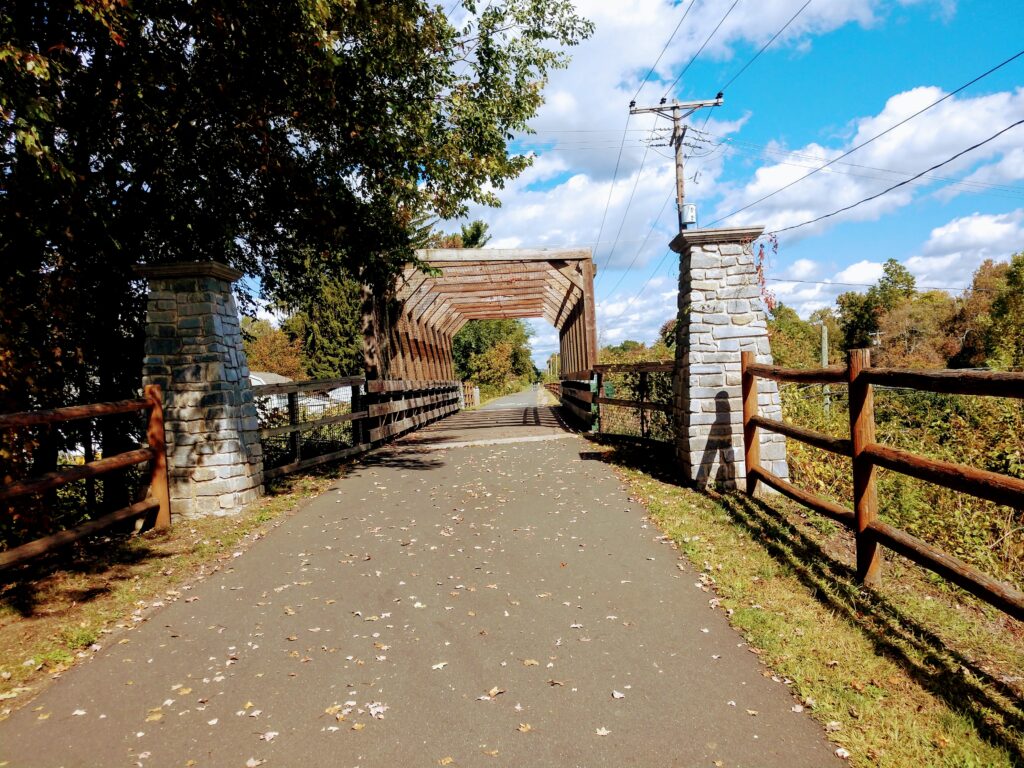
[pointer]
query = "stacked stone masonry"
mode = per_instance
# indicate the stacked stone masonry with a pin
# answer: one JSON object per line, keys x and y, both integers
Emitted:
{"x": 194, "y": 352}
{"x": 720, "y": 314}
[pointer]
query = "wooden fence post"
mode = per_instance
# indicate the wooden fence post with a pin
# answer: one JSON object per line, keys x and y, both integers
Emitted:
{"x": 158, "y": 464}
{"x": 751, "y": 439}
{"x": 357, "y": 424}
{"x": 642, "y": 396}
{"x": 865, "y": 496}
{"x": 595, "y": 408}
{"x": 293, "y": 418}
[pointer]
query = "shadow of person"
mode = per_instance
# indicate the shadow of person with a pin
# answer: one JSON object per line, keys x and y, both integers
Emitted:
{"x": 719, "y": 446}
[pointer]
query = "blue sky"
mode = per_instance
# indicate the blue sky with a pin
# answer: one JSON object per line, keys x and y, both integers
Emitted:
{"x": 841, "y": 73}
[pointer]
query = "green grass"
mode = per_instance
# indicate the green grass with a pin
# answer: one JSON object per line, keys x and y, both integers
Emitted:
{"x": 916, "y": 674}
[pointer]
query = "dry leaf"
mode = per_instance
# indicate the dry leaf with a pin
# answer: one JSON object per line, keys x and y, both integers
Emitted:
{"x": 530, "y": 663}
{"x": 495, "y": 691}
{"x": 440, "y": 665}
{"x": 752, "y": 712}
{"x": 618, "y": 695}
{"x": 490, "y": 752}
{"x": 446, "y": 760}
{"x": 358, "y": 726}
{"x": 524, "y": 728}
{"x": 602, "y": 731}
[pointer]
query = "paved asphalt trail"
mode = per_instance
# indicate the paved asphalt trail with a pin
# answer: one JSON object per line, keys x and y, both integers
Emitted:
{"x": 500, "y": 604}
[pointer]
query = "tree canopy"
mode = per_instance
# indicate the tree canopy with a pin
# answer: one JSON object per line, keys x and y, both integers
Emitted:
{"x": 289, "y": 139}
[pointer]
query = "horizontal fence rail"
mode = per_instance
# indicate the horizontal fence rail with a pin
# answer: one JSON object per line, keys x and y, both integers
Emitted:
{"x": 154, "y": 453}
{"x": 307, "y": 424}
{"x": 867, "y": 454}
{"x": 621, "y": 399}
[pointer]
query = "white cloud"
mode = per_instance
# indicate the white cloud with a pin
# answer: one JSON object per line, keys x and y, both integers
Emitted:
{"x": 579, "y": 128}
{"x": 955, "y": 250}
{"x": 801, "y": 269}
{"x": 934, "y": 136}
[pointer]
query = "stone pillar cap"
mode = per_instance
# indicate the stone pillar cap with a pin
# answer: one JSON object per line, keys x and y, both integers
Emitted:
{"x": 691, "y": 237}
{"x": 188, "y": 269}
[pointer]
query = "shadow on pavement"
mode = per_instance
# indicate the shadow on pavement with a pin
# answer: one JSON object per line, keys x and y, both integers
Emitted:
{"x": 995, "y": 708}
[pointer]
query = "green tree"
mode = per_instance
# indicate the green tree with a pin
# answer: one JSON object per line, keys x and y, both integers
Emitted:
{"x": 1006, "y": 335}
{"x": 327, "y": 321}
{"x": 270, "y": 349}
{"x": 283, "y": 138}
{"x": 795, "y": 343}
{"x": 895, "y": 285}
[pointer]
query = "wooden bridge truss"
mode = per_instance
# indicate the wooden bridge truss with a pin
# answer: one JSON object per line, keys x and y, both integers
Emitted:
{"x": 409, "y": 335}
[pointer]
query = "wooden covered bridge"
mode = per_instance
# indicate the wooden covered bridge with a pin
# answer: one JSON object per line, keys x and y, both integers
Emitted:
{"x": 409, "y": 336}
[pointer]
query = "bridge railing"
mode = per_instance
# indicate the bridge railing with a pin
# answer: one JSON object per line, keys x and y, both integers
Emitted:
{"x": 867, "y": 454}
{"x": 154, "y": 453}
{"x": 309, "y": 423}
{"x": 630, "y": 399}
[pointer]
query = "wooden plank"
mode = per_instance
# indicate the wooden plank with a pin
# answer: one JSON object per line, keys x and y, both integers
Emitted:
{"x": 376, "y": 410}
{"x": 583, "y": 415}
{"x": 386, "y": 431}
{"x": 406, "y": 385}
{"x": 71, "y": 413}
{"x": 834, "y": 374}
{"x": 307, "y": 426}
{"x": 64, "y": 476}
{"x": 992, "y": 591}
{"x": 48, "y": 544}
{"x": 316, "y": 461}
{"x": 838, "y": 445}
{"x": 589, "y": 314}
{"x": 822, "y": 506}
{"x": 952, "y": 382}
{"x": 656, "y": 367}
{"x": 865, "y": 496}
{"x": 645, "y": 404}
{"x": 576, "y": 375}
{"x": 441, "y": 255}
{"x": 309, "y": 385}
{"x": 1002, "y": 489}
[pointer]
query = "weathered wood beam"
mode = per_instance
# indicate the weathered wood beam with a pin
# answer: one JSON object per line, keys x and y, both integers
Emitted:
{"x": 434, "y": 255}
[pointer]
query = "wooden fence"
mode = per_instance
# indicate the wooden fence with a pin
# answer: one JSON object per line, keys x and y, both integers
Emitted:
{"x": 158, "y": 500}
{"x": 582, "y": 393}
{"x": 867, "y": 455}
{"x": 377, "y": 410}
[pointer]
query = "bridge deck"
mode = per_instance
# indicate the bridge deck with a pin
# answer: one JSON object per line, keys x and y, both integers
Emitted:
{"x": 484, "y": 596}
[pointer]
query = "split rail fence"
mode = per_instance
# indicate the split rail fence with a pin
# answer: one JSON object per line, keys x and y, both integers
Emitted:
{"x": 154, "y": 453}
{"x": 309, "y": 423}
{"x": 867, "y": 455}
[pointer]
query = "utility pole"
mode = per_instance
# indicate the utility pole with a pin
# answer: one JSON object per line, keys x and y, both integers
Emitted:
{"x": 677, "y": 111}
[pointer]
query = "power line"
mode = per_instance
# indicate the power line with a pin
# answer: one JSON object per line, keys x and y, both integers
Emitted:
{"x": 639, "y": 250}
{"x": 665, "y": 48}
{"x": 625, "y": 213}
{"x": 611, "y": 189}
{"x": 872, "y": 285}
{"x": 740, "y": 144}
{"x": 706, "y": 41}
{"x": 900, "y": 184}
{"x": 763, "y": 49}
{"x": 868, "y": 141}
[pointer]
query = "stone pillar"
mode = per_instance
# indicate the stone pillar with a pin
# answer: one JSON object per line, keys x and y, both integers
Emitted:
{"x": 720, "y": 313}
{"x": 194, "y": 352}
